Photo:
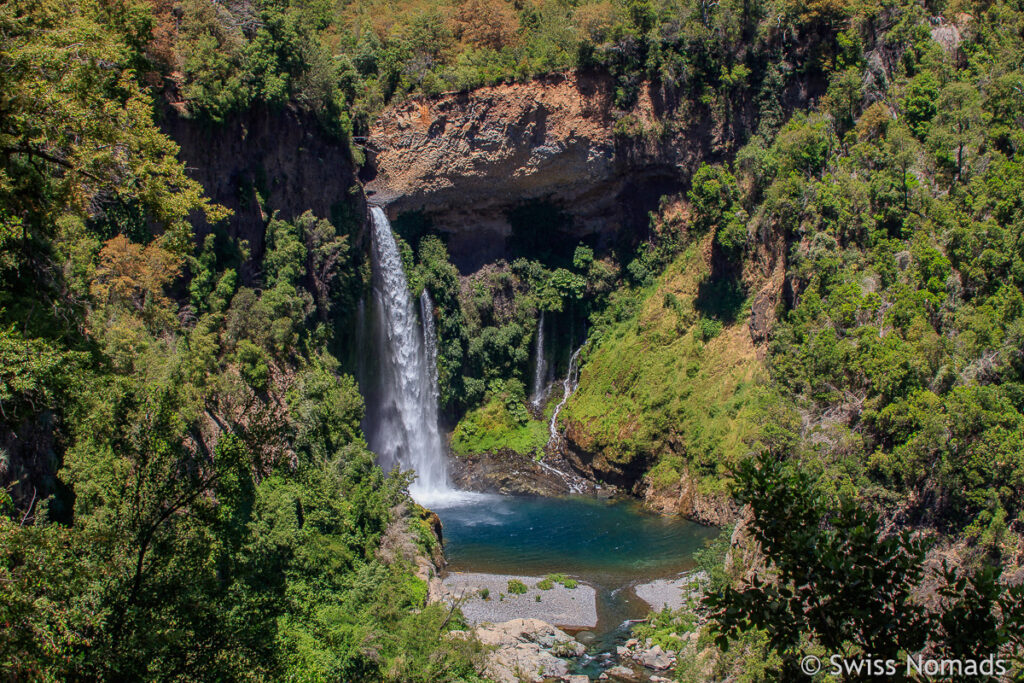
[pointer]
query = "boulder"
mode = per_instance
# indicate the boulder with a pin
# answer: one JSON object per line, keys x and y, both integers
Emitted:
{"x": 524, "y": 661}
{"x": 522, "y": 650}
{"x": 622, "y": 673}
{"x": 655, "y": 658}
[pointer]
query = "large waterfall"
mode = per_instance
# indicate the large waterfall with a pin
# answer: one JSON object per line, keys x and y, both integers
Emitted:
{"x": 402, "y": 415}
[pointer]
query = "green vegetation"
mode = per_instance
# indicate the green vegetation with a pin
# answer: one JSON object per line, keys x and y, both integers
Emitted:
{"x": 545, "y": 584}
{"x": 492, "y": 427}
{"x": 898, "y": 353}
{"x": 562, "y": 579}
{"x": 486, "y": 326}
{"x": 516, "y": 587}
{"x": 657, "y": 387}
{"x": 666, "y": 627}
{"x": 344, "y": 61}
{"x": 854, "y": 593}
{"x": 186, "y": 489}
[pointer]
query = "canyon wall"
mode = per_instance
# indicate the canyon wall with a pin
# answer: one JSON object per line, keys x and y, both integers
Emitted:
{"x": 264, "y": 161}
{"x": 467, "y": 160}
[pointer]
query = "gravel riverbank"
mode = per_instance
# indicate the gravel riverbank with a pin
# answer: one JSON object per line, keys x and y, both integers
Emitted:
{"x": 671, "y": 593}
{"x": 564, "y": 607}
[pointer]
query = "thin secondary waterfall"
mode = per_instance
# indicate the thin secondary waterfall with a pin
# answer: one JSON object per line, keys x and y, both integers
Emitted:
{"x": 429, "y": 340}
{"x": 537, "y": 392}
{"x": 402, "y": 419}
{"x": 568, "y": 387}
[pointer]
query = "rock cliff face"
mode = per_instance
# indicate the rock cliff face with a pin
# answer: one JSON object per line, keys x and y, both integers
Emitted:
{"x": 264, "y": 161}
{"x": 467, "y": 160}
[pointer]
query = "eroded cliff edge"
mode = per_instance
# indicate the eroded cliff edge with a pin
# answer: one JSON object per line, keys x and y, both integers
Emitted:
{"x": 467, "y": 160}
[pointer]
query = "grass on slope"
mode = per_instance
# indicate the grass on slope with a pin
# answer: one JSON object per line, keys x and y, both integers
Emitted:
{"x": 669, "y": 383}
{"x": 492, "y": 427}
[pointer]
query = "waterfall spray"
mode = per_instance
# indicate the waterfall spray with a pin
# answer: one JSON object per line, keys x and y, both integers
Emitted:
{"x": 402, "y": 423}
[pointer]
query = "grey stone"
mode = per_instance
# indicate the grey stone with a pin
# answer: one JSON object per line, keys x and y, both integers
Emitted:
{"x": 519, "y": 655}
{"x": 573, "y": 608}
{"x": 655, "y": 658}
{"x": 622, "y": 673}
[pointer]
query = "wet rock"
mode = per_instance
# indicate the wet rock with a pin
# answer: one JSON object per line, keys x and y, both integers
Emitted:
{"x": 684, "y": 497}
{"x": 621, "y": 652}
{"x": 512, "y": 474}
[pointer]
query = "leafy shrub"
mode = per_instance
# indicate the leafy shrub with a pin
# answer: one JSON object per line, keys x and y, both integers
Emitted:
{"x": 516, "y": 587}
{"x": 707, "y": 329}
{"x": 562, "y": 579}
{"x": 252, "y": 365}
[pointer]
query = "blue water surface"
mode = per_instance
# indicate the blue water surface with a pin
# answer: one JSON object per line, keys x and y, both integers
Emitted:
{"x": 612, "y": 545}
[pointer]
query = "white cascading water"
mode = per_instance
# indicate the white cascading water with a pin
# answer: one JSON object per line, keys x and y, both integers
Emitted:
{"x": 568, "y": 387}
{"x": 537, "y": 392}
{"x": 402, "y": 421}
{"x": 429, "y": 341}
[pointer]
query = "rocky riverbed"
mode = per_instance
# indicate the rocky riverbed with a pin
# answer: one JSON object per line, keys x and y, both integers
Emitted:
{"x": 527, "y": 650}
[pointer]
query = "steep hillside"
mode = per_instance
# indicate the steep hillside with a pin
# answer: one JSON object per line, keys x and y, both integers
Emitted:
{"x": 667, "y": 397}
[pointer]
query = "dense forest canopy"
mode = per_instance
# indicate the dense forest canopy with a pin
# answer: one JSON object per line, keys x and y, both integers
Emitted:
{"x": 187, "y": 489}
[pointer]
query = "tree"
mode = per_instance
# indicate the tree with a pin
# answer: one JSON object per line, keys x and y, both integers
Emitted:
{"x": 833, "y": 583}
{"x": 487, "y": 23}
{"x": 955, "y": 129}
{"x": 712, "y": 194}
